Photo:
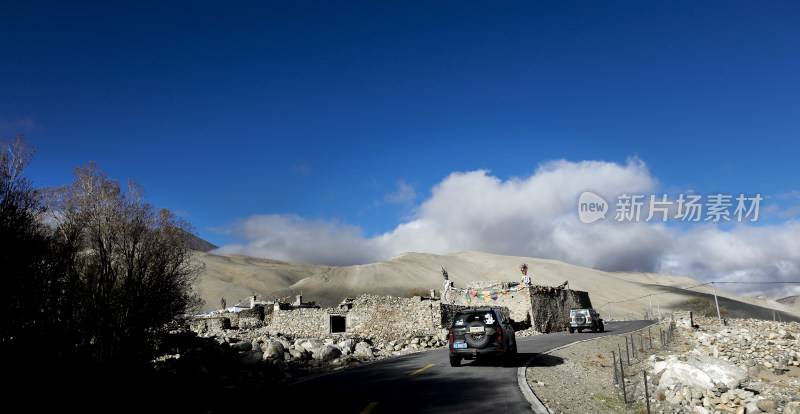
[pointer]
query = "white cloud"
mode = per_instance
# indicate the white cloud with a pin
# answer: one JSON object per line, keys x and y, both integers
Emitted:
{"x": 294, "y": 238}
{"x": 743, "y": 254}
{"x": 404, "y": 194}
{"x": 537, "y": 216}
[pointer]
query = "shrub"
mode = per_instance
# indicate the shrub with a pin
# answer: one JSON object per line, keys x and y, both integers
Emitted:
{"x": 410, "y": 293}
{"x": 701, "y": 306}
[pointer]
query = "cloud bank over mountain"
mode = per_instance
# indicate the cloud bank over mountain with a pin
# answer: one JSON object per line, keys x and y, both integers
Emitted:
{"x": 537, "y": 216}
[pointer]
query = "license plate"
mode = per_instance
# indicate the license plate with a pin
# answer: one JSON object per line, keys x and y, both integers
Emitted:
{"x": 459, "y": 345}
{"x": 475, "y": 329}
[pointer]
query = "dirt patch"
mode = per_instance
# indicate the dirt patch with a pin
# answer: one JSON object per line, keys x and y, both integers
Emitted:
{"x": 581, "y": 378}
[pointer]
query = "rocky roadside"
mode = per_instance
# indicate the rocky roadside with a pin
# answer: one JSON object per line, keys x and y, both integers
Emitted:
{"x": 748, "y": 366}
{"x": 297, "y": 357}
{"x": 210, "y": 354}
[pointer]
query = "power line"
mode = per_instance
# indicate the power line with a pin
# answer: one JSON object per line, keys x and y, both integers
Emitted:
{"x": 712, "y": 283}
{"x": 653, "y": 294}
{"x": 760, "y": 283}
{"x": 692, "y": 287}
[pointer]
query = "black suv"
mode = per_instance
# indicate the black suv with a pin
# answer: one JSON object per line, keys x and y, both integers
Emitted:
{"x": 481, "y": 333}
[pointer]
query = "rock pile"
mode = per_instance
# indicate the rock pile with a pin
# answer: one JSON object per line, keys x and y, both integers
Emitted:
{"x": 748, "y": 366}
{"x": 299, "y": 354}
{"x": 755, "y": 343}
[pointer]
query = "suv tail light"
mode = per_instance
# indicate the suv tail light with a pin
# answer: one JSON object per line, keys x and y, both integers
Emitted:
{"x": 499, "y": 334}
{"x": 589, "y": 319}
{"x": 451, "y": 336}
{"x": 570, "y": 318}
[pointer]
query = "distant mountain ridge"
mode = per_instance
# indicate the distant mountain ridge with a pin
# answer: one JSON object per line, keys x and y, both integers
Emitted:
{"x": 793, "y": 301}
{"x": 196, "y": 243}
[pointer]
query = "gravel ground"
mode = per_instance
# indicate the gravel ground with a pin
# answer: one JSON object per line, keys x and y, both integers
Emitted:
{"x": 580, "y": 378}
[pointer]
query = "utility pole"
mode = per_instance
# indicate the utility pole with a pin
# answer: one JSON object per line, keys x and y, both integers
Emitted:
{"x": 658, "y": 303}
{"x": 716, "y": 303}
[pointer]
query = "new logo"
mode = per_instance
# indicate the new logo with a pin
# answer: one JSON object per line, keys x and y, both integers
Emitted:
{"x": 591, "y": 207}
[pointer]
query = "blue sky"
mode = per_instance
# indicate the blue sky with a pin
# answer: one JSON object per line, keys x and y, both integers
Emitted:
{"x": 257, "y": 118}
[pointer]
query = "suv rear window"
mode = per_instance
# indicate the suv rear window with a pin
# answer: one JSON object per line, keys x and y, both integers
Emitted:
{"x": 463, "y": 319}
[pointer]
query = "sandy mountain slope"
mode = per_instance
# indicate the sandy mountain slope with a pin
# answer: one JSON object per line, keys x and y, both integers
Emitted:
{"x": 792, "y": 301}
{"x": 236, "y": 277}
{"x": 630, "y": 293}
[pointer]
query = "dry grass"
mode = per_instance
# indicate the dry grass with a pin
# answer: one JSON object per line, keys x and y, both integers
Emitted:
{"x": 410, "y": 293}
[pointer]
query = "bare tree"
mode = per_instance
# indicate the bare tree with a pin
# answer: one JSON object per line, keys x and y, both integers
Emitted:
{"x": 130, "y": 268}
{"x": 31, "y": 273}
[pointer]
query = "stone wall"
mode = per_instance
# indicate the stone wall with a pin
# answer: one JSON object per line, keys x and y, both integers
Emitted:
{"x": 303, "y": 322}
{"x": 449, "y": 311}
{"x": 202, "y": 325}
{"x": 550, "y": 311}
{"x": 514, "y": 298}
{"x": 388, "y": 318}
{"x": 544, "y": 309}
{"x": 371, "y": 316}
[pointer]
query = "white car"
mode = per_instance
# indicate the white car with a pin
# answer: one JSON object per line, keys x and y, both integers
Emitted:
{"x": 580, "y": 319}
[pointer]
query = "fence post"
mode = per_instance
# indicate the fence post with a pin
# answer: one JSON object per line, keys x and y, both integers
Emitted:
{"x": 627, "y": 353}
{"x": 622, "y": 379}
{"x": 616, "y": 372}
{"x": 646, "y": 397}
{"x": 669, "y": 335}
{"x": 633, "y": 347}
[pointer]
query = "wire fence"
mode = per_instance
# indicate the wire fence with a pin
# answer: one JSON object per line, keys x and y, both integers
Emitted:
{"x": 631, "y": 384}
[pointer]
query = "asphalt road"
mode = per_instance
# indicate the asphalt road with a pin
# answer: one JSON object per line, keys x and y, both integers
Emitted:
{"x": 426, "y": 383}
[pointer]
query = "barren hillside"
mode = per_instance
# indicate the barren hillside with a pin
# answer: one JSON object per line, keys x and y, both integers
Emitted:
{"x": 791, "y": 301}
{"x": 238, "y": 277}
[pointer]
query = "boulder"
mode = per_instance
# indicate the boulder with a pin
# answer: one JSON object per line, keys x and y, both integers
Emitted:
{"x": 363, "y": 350}
{"x": 347, "y": 346}
{"x": 310, "y": 344}
{"x": 751, "y": 408}
{"x": 297, "y": 354}
{"x": 326, "y": 353}
{"x": 767, "y": 405}
{"x": 252, "y": 357}
{"x": 242, "y": 346}
{"x": 273, "y": 349}
{"x": 700, "y": 372}
{"x": 285, "y": 342}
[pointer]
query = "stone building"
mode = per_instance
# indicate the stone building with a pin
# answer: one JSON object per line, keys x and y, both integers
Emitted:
{"x": 545, "y": 309}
